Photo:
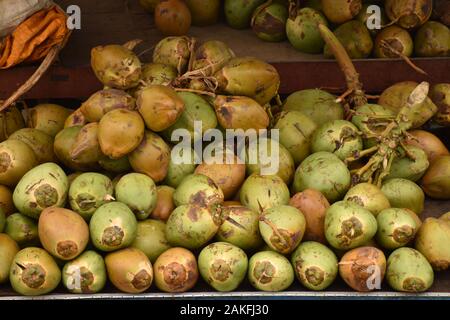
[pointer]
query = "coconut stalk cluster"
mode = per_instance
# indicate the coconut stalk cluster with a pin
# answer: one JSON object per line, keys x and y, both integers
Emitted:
{"x": 96, "y": 194}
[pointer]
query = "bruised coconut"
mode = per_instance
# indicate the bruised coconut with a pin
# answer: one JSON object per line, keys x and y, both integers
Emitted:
{"x": 318, "y": 105}
{"x": 86, "y": 146}
{"x": 196, "y": 108}
{"x": 8, "y": 250}
{"x": 428, "y": 142}
{"x": 238, "y": 112}
{"x": 432, "y": 241}
{"x": 313, "y": 205}
{"x": 295, "y": 131}
{"x": 211, "y": 56}
{"x": 49, "y": 118}
{"x": 315, "y": 265}
{"x": 120, "y": 131}
{"x": 16, "y": 159}
{"x": 151, "y": 157}
{"x": 440, "y": 94}
{"x": 129, "y": 270}
{"x": 324, "y": 172}
{"x": 269, "y": 22}
{"x": 172, "y": 17}
{"x": 403, "y": 193}
{"x": 260, "y": 193}
{"x": 85, "y": 274}
{"x": 227, "y": 176}
{"x": 116, "y": 66}
{"x": 138, "y": 192}
{"x": 39, "y": 141}
{"x": 409, "y": 271}
{"x": 63, "y": 147}
{"x": 340, "y": 137}
{"x": 270, "y": 271}
{"x": 432, "y": 40}
{"x": 282, "y": 228}
{"x": 368, "y": 196}
{"x": 363, "y": 269}
{"x": 192, "y": 226}
{"x": 104, "y": 101}
{"x": 355, "y": 38}
{"x": 436, "y": 181}
{"x": 151, "y": 238}
{"x": 76, "y": 118}
{"x": 302, "y": 32}
{"x": 22, "y": 230}
{"x": 393, "y": 42}
{"x": 63, "y": 233}
{"x": 11, "y": 120}
{"x": 34, "y": 272}
{"x": 159, "y": 106}
{"x": 396, "y": 228}
{"x": 113, "y": 226}
{"x": 42, "y": 187}
{"x": 176, "y": 270}
{"x": 157, "y": 74}
{"x": 340, "y": 11}
{"x": 88, "y": 192}
{"x": 250, "y": 77}
{"x": 348, "y": 225}
{"x": 164, "y": 204}
{"x": 407, "y": 13}
{"x": 199, "y": 190}
{"x": 223, "y": 266}
{"x": 175, "y": 52}
{"x": 240, "y": 227}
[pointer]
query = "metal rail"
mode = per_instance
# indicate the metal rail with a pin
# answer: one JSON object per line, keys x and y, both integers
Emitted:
{"x": 244, "y": 296}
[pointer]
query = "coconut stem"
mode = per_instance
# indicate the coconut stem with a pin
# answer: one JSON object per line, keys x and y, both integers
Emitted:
{"x": 274, "y": 229}
{"x": 357, "y": 98}
{"x": 191, "y": 48}
{"x": 387, "y": 46}
{"x": 385, "y": 171}
{"x": 361, "y": 154}
{"x": 294, "y": 5}
{"x": 206, "y": 93}
{"x": 130, "y": 45}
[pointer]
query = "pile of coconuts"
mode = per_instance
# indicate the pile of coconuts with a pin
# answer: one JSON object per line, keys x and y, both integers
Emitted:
{"x": 94, "y": 194}
{"x": 406, "y": 27}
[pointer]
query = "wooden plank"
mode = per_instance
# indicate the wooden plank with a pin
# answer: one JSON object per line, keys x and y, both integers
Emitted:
{"x": 79, "y": 82}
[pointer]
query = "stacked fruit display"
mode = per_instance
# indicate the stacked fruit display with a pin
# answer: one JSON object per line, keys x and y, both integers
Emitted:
{"x": 383, "y": 29}
{"x": 98, "y": 194}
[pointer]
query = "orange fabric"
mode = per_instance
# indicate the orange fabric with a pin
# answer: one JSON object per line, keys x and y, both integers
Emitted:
{"x": 34, "y": 37}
